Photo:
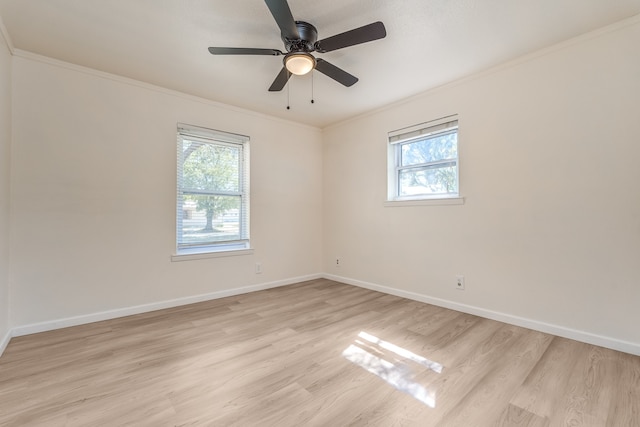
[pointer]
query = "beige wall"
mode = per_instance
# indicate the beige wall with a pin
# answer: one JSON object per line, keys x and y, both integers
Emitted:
{"x": 93, "y": 179}
{"x": 5, "y": 155}
{"x": 549, "y": 232}
{"x": 550, "y": 229}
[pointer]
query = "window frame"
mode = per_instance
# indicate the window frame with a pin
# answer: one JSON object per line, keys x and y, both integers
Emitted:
{"x": 413, "y": 134}
{"x": 220, "y": 139}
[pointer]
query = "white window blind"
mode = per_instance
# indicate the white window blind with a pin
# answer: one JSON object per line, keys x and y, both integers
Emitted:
{"x": 423, "y": 161}
{"x": 212, "y": 208}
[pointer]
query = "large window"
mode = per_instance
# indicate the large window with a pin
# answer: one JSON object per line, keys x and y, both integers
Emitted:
{"x": 213, "y": 191}
{"x": 423, "y": 161}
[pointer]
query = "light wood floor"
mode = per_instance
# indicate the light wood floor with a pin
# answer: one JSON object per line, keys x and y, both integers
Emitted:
{"x": 317, "y": 353}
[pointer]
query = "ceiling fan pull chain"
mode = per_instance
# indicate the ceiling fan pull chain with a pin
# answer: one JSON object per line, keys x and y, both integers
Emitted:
{"x": 288, "y": 99}
{"x": 312, "y": 101}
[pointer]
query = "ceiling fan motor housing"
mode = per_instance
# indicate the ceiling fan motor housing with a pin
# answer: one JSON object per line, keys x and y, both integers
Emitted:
{"x": 308, "y": 37}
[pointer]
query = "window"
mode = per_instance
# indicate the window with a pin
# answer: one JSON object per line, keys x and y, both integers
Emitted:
{"x": 423, "y": 161}
{"x": 213, "y": 191}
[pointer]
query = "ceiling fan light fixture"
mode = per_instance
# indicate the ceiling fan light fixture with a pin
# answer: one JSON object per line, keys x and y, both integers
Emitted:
{"x": 299, "y": 63}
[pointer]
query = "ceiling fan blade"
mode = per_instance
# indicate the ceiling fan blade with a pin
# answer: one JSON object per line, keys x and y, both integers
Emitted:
{"x": 337, "y": 74}
{"x": 356, "y": 36}
{"x": 282, "y": 14}
{"x": 281, "y": 80}
{"x": 243, "y": 51}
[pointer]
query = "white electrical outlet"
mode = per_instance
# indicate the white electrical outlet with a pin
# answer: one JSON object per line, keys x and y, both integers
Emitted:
{"x": 337, "y": 262}
{"x": 258, "y": 268}
{"x": 460, "y": 282}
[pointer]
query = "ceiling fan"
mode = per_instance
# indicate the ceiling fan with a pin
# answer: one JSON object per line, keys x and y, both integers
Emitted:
{"x": 300, "y": 39}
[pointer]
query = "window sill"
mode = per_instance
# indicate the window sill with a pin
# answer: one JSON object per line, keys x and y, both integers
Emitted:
{"x": 424, "y": 202}
{"x": 204, "y": 255}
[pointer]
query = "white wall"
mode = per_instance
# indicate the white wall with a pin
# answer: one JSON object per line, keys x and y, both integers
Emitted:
{"x": 550, "y": 229}
{"x": 5, "y": 156}
{"x": 93, "y": 178}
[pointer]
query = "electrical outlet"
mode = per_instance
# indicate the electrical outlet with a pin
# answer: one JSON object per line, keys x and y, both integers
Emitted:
{"x": 460, "y": 282}
{"x": 258, "y": 267}
{"x": 337, "y": 262}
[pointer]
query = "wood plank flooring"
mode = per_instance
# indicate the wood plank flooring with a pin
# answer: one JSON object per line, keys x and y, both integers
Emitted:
{"x": 318, "y": 353}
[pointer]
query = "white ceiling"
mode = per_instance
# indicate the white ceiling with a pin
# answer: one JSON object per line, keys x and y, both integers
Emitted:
{"x": 428, "y": 43}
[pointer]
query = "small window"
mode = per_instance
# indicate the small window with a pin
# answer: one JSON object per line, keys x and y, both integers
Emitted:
{"x": 213, "y": 191}
{"x": 423, "y": 161}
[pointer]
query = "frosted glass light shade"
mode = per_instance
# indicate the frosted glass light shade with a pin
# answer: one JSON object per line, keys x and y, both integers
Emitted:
{"x": 299, "y": 63}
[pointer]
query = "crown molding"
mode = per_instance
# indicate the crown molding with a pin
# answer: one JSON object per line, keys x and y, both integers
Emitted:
{"x": 576, "y": 40}
{"x": 19, "y": 53}
{"x": 6, "y": 37}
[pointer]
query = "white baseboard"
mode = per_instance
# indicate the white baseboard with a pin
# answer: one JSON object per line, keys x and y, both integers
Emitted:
{"x": 4, "y": 342}
{"x": 561, "y": 331}
{"x": 586, "y": 337}
{"x": 144, "y": 308}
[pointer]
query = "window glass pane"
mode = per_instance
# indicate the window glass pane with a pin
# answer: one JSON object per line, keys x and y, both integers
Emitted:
{"x": 209, "y": 219}
{"x": 439, "y": 147}
{"x": 210, "y": 167}
{"x": 441, "y": 179}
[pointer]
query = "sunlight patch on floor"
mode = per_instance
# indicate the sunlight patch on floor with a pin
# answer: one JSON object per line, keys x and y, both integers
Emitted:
{"x": 369, "y": 353}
